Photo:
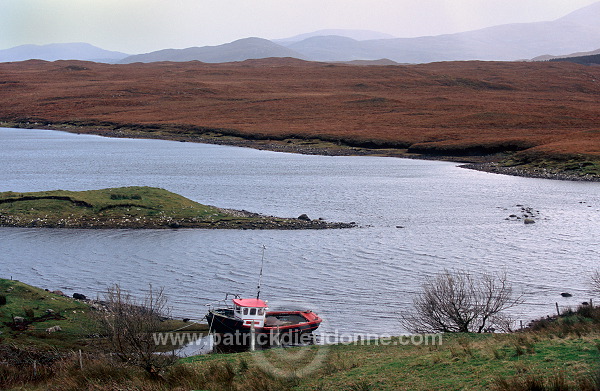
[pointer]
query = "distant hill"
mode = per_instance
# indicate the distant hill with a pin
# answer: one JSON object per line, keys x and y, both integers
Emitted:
{"x": 575, "y": 32}
{"x": 548, "y": 57}
{"x": 358, "y": 35}
{"x": 61, "y": 51}
{"x": 593, "y": 59}
{"x": 381, "y": 62}
{"x": 240, "y": 50}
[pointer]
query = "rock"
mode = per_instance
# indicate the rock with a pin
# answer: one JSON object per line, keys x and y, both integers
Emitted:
{"x": 529, "y": 221}
{"x": 79, "y": 296}
{"x": 186, "y": 320}
{"x": 49, "y": 311}
{"x": 304, "y": 217}
{"x": 399, "y": 226}
{"x": 53, "y": 329}
{"x": 19, "y": 319}
{"x": 566, "y": 294}
{"x": 57, "y": 292}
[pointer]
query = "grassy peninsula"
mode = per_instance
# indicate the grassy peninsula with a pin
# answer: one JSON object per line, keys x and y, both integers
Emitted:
{"x": 133, "y": 207}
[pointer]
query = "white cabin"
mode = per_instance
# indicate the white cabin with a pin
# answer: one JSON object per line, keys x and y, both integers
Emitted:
{"x": 250, "y": 311}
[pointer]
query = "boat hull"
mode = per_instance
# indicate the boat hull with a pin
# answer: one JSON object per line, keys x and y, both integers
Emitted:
{"x": 287, "y": 326}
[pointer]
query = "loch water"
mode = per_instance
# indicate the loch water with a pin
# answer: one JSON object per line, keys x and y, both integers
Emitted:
{"x": 416, "y": 219}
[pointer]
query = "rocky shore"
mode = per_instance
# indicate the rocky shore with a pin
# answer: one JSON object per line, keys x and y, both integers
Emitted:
{"x": 486, "y": 163}
{"x": 530, "y": 172}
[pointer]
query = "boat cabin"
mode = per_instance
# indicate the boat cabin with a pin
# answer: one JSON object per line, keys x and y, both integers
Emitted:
{"x": 250, "y": 311}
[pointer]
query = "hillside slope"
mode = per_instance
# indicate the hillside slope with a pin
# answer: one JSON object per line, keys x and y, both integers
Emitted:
{"x": 541, "y": 110}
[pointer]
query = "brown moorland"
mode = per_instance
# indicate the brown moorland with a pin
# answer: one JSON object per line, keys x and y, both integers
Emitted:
{"x": 543, "y": 114}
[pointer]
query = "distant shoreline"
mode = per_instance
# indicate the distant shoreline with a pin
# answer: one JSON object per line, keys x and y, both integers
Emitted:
{"x": 485, "y": 163}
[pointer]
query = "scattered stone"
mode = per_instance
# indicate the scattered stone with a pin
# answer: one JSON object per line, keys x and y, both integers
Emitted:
{"x": 304, "y": 217}
{"x": 53, "y": 329}
{"x": 49, "y": 311}
{"x": 529, "y": 221}
{"x": 57, "y": 292}
{"x": 185, "y": 320}
{"x": 399, "y": 226}
{"x": 79, "y": 296}
{"x": 566, "y": 294}
{"x": 19, "y": 319}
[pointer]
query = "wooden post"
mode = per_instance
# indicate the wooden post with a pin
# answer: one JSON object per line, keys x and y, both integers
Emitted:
{"x": 591, "y": 304}
{"x": 278, "y": 336}
{"x": 557, "y": 310}
{"x": 252, "y": 338}
{"x": 80, "y": 360}
{"x": 34, "y": 368}
{"x": 521, "y": 324}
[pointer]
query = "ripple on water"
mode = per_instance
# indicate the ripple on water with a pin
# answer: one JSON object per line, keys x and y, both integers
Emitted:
{"x": 452, "y": 219}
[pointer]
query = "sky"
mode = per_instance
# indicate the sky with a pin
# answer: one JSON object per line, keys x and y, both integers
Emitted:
{"x": 141, "y": 26}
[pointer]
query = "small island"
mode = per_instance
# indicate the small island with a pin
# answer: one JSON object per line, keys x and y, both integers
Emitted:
{"x": 135, "y": 207}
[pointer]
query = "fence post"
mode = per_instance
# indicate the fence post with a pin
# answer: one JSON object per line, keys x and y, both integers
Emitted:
{"x": 557, "y": 310}
{"x": 80, "y": 360}
{"x": 252, "y": 338}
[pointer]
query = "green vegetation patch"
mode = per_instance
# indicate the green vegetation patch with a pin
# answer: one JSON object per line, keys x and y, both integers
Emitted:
{"x": 30, "y": 311}
{"x": 131, "y": 207}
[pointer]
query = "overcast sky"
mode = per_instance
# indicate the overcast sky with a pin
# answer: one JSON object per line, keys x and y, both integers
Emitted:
{"x": 139, "y": 26}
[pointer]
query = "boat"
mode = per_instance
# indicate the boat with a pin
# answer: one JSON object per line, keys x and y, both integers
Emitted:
{"x": 245, "y": 316}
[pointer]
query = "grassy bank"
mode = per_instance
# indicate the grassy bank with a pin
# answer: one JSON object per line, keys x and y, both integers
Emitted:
{"x": 463, "y": 362}
{"x": 132, "y": 207}
{"x": 41, "y": 309}
{"x": 554, "y": 354}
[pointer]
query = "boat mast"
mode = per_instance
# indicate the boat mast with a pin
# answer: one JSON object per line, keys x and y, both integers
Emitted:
{"x": 262, "y": 262}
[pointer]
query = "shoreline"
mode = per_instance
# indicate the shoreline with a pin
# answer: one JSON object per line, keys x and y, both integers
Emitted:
{"x": 485, "y": 163}
{"x": 136, "y": 208}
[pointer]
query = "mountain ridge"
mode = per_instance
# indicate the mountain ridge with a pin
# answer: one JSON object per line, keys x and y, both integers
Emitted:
{"x": 575, "y": 32}
{"x": 61, "y": 51}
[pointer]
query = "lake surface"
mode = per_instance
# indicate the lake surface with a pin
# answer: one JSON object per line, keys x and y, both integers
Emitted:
{"x": 357, "y": 279}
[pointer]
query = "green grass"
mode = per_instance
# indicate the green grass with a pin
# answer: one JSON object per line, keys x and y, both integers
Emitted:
{"x": 24, "y": 300}
{"x": 128, "y": 206}
{"x": 77, "y": 319}
{"x": 131, "y": 207}
{"x": 565, "y": 351}
{"x": 462, "y": 362}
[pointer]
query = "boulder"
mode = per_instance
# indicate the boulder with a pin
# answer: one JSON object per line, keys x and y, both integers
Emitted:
{"x": 53, "y": 329}
{"x": 79, "y": 296}
{"x": 529, "y": 221}
{"x": 304, "y": 217}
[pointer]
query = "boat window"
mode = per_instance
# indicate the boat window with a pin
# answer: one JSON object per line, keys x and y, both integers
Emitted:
{"x": 245, "y": 311}
{"x": 252, "y": 311}
{"x": 260, "y": 311}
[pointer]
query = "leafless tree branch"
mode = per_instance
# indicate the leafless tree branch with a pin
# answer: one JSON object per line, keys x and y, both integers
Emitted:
{"x": 455, "y": 301}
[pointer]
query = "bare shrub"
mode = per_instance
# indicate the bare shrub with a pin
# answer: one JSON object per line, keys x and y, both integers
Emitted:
{"x": 129, "y": 325}
{"x": 456, "y": 301}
